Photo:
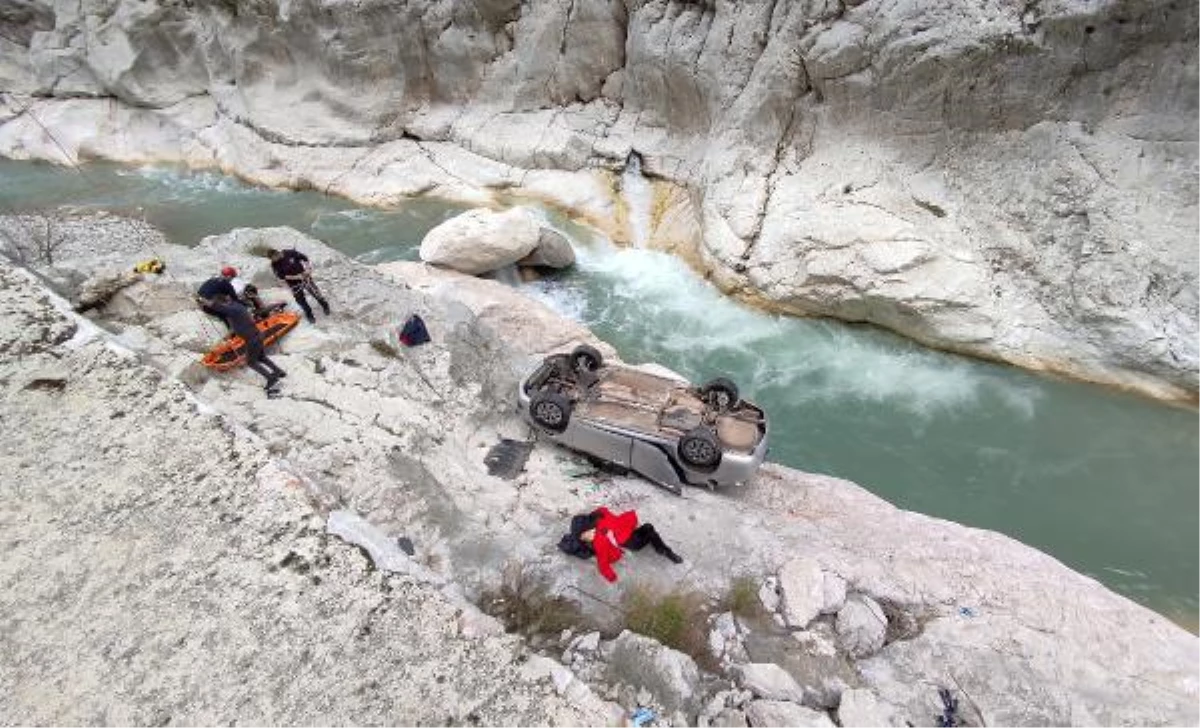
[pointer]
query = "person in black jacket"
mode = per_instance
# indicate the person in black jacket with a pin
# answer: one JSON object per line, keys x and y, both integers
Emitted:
{"x": 294, "y": 268}
{"x": 208, "y": 294}
{"x": 241, "y": 322}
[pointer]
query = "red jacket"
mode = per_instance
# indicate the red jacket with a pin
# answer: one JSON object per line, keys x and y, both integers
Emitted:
{"x": 612, "y": 531}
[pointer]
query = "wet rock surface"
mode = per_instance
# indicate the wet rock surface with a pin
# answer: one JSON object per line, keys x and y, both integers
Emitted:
{"x": 344, "y": 531}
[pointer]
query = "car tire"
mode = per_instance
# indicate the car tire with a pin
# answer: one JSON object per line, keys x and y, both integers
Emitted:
{"x": 720, "y": 394}
{"x": 586, "y": 358}
{"x": 699, "y": 449}
{"x": 550, "y": 410}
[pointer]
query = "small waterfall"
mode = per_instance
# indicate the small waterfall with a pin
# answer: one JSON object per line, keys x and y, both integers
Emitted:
{"x": 639, "y": 199}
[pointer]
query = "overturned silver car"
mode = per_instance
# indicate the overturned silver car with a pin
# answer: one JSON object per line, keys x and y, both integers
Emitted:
{"x": 667, "y": 430}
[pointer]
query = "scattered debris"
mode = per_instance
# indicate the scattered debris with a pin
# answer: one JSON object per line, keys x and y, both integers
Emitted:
{"x": 949, "y": 715}
{"x": 53, "y": 384}
{"x": 507, "y": 458}
{"x": 385, "y": 553}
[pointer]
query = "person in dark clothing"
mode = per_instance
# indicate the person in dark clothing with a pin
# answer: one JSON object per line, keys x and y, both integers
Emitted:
{"x": 247, "y": 292}
{"x": 294, "y": 268}
{"x": 239, "y": 319}
{"x": 604, "y": 534}
{"x": 208, "y": 293}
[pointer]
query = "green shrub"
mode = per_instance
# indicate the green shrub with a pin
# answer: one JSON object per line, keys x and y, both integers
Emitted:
{"x": 677, "y": 619}
{"x": 742, "y": 598}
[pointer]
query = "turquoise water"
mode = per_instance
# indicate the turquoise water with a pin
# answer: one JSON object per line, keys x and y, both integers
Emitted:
{"x": 1106, "y": 482}
{"x": 189, "y": 206}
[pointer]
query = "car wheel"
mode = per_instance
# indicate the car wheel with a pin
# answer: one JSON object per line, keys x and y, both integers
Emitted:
{"x": 550, "y": 410}
{"x": 700, "y": 449}
{"x": 585, "y": 358}
{"x": 720, "y": 394}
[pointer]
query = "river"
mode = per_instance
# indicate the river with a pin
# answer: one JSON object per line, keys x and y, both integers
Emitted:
{"x": 1104, "y": 481}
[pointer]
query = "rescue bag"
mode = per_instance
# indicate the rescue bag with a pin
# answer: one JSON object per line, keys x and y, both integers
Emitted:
{"x": 413, "y": 332}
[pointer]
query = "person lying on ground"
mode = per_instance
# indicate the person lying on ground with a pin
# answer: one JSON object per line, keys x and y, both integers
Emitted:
{"x": 293, "y": 267}
{"x": 604, "y": 534}
{"x": 239, "y": 319}
{"x": 247, "y": 293}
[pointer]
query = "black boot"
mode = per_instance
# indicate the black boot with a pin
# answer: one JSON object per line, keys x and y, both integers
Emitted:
{"x": 676, "y": 558}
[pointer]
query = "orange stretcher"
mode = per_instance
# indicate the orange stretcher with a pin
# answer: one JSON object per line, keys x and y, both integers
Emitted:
{"x": 231, "y": 352}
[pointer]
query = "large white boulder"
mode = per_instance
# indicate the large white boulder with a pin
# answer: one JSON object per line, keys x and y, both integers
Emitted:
{"x": 553, "y": 251}
{"x": 669, "y": 675}
{"x": 480, "y": 241}
{"x": 861, "y": 626}
{"x": 809, "y": 591}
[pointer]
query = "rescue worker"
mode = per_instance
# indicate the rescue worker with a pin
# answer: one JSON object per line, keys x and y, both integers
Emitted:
{"x": 237, "y": 316}
{"x": 294, "y": 268}
{"x": 208, "y": 293}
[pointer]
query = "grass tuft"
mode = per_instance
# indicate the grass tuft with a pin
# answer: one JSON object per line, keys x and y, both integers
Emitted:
{"x": 677, "y": 619}
{"x": 385, "y": 348}
{"x": 742, "y": 598}
{"x": 525, "y": 604}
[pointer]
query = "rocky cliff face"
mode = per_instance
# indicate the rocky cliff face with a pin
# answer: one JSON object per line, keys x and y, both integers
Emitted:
{"x": 176, "y": 540}
{"x": 1014, "y": 181}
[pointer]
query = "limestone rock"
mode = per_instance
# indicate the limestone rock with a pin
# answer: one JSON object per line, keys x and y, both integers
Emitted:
{"x": 97, "y": 291}
{"x": 530, "y": 327}
{"x": 723, "y": 635}
{"x": 586, "y": 643}
{"x": 768, "y": 594}
{"x": 819, "y": 667}
{"x": 803, "y": 586}
{"x": 770, "y": 681}
{"x": 480, "y": 241}
{"x": 246, "y": 598}
{"x": 833, "y": 593}
{"x": 403, "y": 438}
{"x": 385, "y": 553}
{"x": 861, "y": 626}
{"x": 783, "y": 713}
{"x": 670, "y": 676}
{"x": 730, "y": 718}
{"x": 911, "y": 214}
{"x": 553, "y": 251}
{"x": 864, "y": 708}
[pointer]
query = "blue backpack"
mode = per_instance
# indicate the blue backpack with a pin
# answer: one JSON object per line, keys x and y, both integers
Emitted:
{"x": 414, "y": 333}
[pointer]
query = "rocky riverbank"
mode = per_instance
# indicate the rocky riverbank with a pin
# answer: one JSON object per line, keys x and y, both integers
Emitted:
{"x": 1011, "y": 181}
{"x": 181, "y": 548}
